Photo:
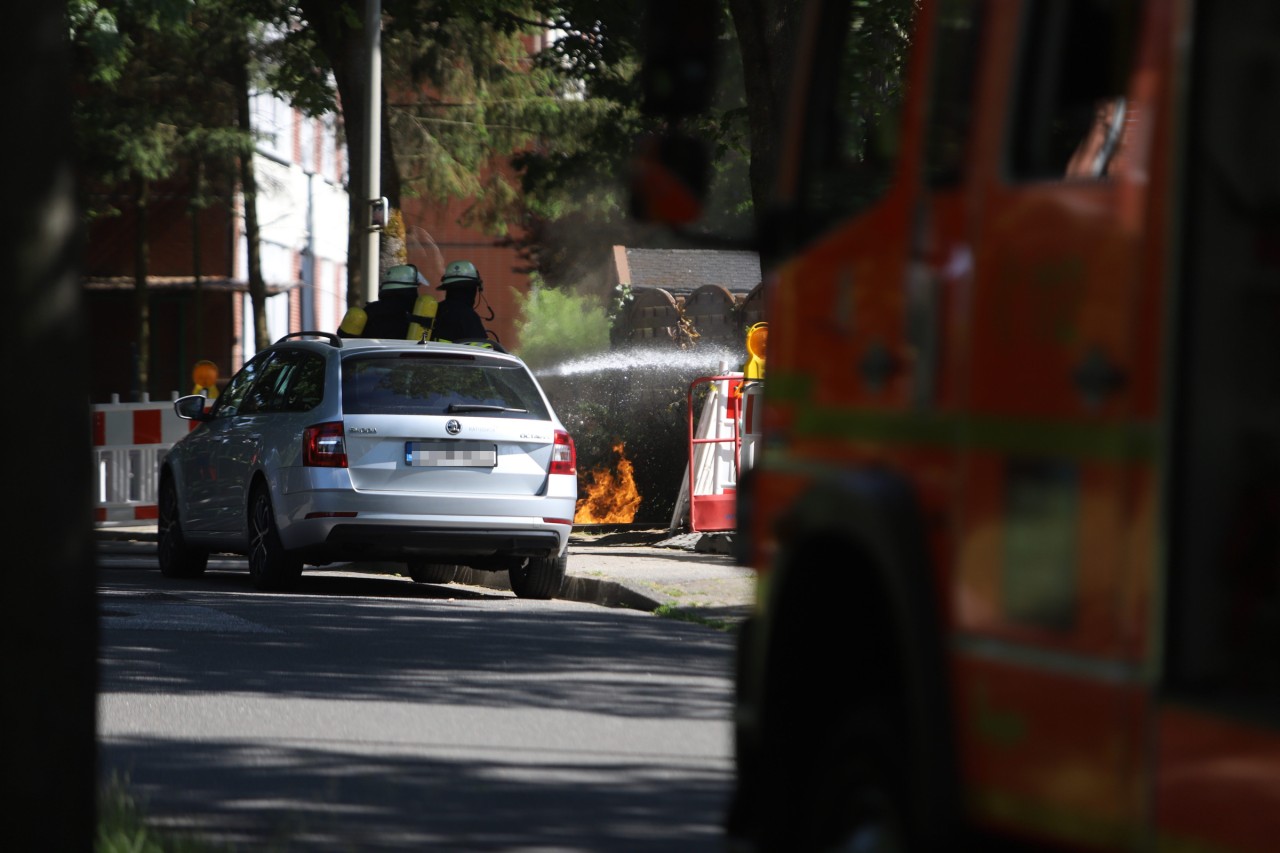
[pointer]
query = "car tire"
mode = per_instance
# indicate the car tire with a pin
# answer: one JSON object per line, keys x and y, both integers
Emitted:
{"x": 423, "y": 572}
{"x": 271, "y": 567}
{"x": 177, "y": 558}
{"x": 539, "y": 577}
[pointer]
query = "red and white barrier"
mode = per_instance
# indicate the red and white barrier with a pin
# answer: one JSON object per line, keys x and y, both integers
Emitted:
{"x": 707, "y": 498}
{"x": 752, "y": 426}
{"x": 129, "y": 442}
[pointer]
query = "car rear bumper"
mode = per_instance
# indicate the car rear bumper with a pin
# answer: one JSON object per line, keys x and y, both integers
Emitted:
{"x": 322, "y": 518}
{"x": 359, "y": 541}
{"x": 489, "y": 543}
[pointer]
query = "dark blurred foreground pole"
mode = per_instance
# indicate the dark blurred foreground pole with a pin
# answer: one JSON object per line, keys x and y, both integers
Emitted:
{"x": 49, "y": 620}
{"x": 670, "y": 169}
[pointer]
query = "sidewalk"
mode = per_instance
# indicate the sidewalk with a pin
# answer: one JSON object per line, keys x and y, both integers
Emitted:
{"x": 690, "y": 573}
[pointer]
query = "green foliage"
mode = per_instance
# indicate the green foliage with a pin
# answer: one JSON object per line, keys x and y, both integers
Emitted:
{"x": 154, "y": 91}
{"x": 288, "y": 67}
{"x": 465, "y": 98}
{"x": 98, "y": 35}
{"x": 623, "y": 296}
{"x": 122, "y": 826}
{"x": 575, "y": 183}
{"x": 555, "y": 326}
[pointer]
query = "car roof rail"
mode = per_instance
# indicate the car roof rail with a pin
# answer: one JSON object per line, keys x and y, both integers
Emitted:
{"x": 333, "y": 339}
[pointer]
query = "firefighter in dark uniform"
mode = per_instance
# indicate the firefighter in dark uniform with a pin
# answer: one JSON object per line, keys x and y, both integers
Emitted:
{"x": 456, "y": 317}
{"x": 388, "y": 316}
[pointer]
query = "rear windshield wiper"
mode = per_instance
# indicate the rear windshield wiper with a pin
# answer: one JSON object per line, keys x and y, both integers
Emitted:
{"x": 482, "y": 407}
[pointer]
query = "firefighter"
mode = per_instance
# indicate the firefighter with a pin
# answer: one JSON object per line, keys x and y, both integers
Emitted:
{"x": 456, "y": 318}
{"x": 388, "y": 316}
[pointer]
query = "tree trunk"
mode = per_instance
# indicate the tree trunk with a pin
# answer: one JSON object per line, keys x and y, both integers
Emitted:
{"x": 249, "y": 190}
{"x": 141, "y": 297}
{"x": 767, "y": 30}
{"x": 344, "y": 47}
{"x": 49, "y": 614}
{"x": 197, "y": 259}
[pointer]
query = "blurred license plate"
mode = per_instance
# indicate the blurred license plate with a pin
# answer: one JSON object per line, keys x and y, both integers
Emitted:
{"x": 450, "y": 454}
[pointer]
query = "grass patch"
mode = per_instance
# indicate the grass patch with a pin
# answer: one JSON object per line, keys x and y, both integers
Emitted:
{"x": 122, "y": 826}
{"x": 668, "y": 611}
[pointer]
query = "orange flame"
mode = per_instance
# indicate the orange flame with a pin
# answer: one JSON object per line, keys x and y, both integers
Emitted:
{"x": 610, "y": 498}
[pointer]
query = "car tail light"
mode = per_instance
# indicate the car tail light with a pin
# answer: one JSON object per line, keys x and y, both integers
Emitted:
{"x": 323, "y": 446}
{"x": 564, "y": 458}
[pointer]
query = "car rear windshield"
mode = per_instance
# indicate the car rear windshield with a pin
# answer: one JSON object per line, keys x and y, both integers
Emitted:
{"x": 420, "y": 384}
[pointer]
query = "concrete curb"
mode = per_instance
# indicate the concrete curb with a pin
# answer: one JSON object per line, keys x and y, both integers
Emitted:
{"x": 605, "y": 593}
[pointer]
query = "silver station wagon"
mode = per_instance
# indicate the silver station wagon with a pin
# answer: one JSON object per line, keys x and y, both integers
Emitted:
{"x": 326, "y": 450}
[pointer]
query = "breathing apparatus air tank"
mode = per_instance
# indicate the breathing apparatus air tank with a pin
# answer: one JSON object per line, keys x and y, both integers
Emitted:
{"x": 422, "y": 320}
{"x": 353, "y": 322}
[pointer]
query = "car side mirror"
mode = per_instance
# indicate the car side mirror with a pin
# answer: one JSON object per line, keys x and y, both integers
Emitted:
{"x": 191, "y": 407}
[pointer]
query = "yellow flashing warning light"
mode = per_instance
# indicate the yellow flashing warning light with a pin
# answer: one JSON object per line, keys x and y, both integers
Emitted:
{"x": 757, "y": 337}
{"x": 204, "y": 377}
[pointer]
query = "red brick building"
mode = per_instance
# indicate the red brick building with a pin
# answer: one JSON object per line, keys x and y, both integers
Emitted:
{"x": 434, "y": 238}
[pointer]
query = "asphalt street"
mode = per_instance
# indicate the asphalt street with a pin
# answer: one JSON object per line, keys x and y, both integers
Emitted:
{"x": 691, "y": 574}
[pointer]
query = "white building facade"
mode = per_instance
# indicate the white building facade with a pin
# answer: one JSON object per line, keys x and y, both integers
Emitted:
{"x": 302, "y": 207}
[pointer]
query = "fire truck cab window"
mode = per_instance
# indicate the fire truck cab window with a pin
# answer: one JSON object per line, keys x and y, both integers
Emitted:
{"x": 951, "y": 98}
{"x": 854, "y": 109}
{"x": 1070, "y": 114}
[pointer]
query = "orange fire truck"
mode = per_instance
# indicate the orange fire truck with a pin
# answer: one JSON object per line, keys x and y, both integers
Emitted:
{"x": 1016, "y": 506}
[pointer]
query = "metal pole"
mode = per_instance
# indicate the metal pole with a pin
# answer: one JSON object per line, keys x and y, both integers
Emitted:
{"x": 373, "y": 145}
